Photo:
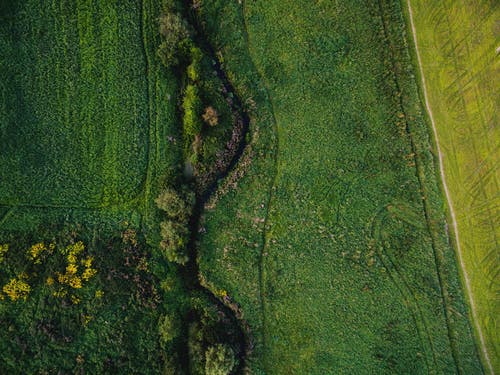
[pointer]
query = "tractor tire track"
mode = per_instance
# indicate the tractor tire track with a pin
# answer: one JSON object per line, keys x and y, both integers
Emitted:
{"x": 409, "y": 297}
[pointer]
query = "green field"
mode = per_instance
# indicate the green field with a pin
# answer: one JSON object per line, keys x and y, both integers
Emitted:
{"x": 327, "y": 243}
{"x": 458, "y": 44}
{"x": 333, "y": 241}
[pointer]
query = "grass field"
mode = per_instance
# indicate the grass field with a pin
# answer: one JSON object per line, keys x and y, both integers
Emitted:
{"x": 458, "y": 44}
{"x": 344, "y": 264}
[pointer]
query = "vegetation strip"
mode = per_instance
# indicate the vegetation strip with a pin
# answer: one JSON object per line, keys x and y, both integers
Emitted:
{"x": 448, "y": 197}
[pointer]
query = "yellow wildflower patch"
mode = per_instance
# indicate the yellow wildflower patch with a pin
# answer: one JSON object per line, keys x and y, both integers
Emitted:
{"x": 87, "y": 262}
{"x": 71, "y": 269}
{"x": 75, "y": 300}
{"x": 75, "y": 282}
{"x": 17, "y": 288}
{"x": 60, "y": 293}
{"x": 35, "y": 251}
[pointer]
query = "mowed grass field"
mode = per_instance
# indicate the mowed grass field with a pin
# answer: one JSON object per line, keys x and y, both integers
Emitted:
{"x": 458, "y": 44}
{"x": 75, "y": 112}
{"x": 333, "y": 241}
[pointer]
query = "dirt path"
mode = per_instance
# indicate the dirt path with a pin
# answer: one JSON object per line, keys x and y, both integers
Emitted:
{"x": 448, "y": 197}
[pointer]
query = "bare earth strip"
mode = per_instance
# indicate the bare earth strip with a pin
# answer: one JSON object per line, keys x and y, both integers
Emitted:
{"x": 448, "y": 197}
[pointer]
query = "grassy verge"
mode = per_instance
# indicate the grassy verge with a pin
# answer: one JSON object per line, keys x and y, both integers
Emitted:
{"x": 458, "y": 64}
{"x": 347, "y": 248}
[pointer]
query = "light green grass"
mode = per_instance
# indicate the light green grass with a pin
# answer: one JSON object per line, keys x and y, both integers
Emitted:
{"x": 457, "y": 43}
{"x": 343, "y": 266}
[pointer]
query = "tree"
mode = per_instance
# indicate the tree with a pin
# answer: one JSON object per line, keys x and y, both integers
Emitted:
{"x": 211, "y": 117}
{"x": 219, "y": 360}
{"x": 168, "y": 328}
{"x": 192, "y": 107}
{"x": 173, "y": 30}
{"x": 175, "y": 237}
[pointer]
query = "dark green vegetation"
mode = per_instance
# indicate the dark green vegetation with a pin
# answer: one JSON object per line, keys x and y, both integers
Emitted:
{"x": 333, "y": 238}
{"x": 95, "y": 328}
{"x": 92, "y": 133}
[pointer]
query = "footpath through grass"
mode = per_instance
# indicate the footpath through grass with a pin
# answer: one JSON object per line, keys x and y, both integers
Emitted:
{"x": 343, "y": 265}
{"x": 458, "y": 45}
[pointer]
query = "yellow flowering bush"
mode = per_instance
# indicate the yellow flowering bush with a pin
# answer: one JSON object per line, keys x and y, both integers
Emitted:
{"x": 87, "y": 262}
{"x": 72, "y": 277}
{"x": 71, "y": 269}
{"x": 88, "y": 274}
{"x": 86, "y": 319}
{"x": 17, "y": 288}
{"x": 60, "y": 293}
{"x": 35, "y": 251}
{"x": 75, "y": 300}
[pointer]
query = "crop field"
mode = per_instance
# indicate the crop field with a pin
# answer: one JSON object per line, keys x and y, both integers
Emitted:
{"x": 332, "y": 239}
{"x": 458, "y": 44}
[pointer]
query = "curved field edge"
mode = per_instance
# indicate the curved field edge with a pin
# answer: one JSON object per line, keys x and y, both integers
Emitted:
{"x": 228, "y": 225}
{"x": 448, "y": 169}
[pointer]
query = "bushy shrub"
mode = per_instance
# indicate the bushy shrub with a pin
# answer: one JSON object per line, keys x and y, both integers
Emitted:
{"x": 173, "y": 30}
{"x": 219, "y": 360}
{"x": 210, "y": 116}
{"x": 175, "y": 237}
{"x": 196, "y": 349}
{"x": 194, "y": 69}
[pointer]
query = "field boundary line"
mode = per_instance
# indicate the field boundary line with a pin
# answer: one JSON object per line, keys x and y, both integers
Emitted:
{"x": 403, "y": 286}
{"x": 446, "y": 191}
{"x": 152, "y": 133}
{"x": 7, "y": 215}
